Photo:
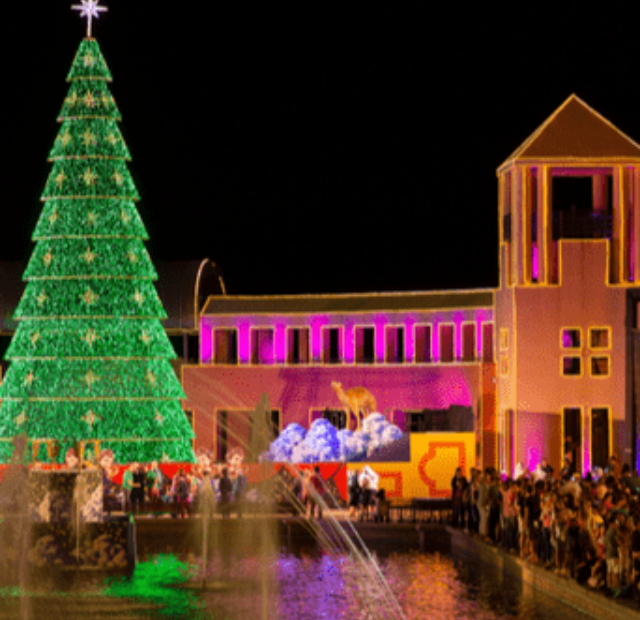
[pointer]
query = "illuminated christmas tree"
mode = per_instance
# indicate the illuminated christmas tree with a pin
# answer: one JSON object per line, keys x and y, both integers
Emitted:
{"x": 90, "y": 359}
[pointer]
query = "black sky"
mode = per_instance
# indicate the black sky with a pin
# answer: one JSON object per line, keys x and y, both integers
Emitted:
{"x": 315, "y": 147}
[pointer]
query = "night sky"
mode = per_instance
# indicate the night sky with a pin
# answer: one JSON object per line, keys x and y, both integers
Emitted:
{"x": 315, "y": 147}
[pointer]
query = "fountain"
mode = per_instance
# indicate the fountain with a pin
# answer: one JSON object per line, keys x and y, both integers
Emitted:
{"x": 221, "y": 537}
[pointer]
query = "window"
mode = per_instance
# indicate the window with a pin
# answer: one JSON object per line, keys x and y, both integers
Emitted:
{"x": 599, "y": 337}
{"x": 226, "y": 346}
{"x": 395, "y": 345}
{"x": 423, "y": 343}
{"x": 571, "y": 366}
{"x": 487, "y": 342}
{"x": 365, "y": 345}
{"x": 337, "y": 417}
{"x": 262, "y": 345}
{"x": 427, "y": 420}
{"x": 468, "y": 342}
{"x": 572, "y": 424}
{"x": 599, "y": 437}
{"x": 221, "y": 435}
{"x": 331, "y": 345}
{"x": 447, "y": 336}
{"x": 600, "y": 366}
{"x": 298, "y": 345}
{"x": 571, "y": 338}
{"x": 275, "y": 423}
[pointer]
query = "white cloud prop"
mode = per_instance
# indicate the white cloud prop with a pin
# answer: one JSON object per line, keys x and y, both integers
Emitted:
{"x": 281, "y": 449}
{"x": 323, "y": 443}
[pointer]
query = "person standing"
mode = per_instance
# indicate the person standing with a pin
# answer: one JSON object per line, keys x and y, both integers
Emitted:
{"x": 611, "y": 547}
{"x": 317, "y": 491}
{"x": 509, "y": 516}
{"x": 207, "y": 494}
{"x": 355, "y": 491}
{"x": 239, "y": 490}
{"x": 180, "y": 489}
{"x": 366, "y": 498}
{"x": 127, "y": 485}
{"x": 137, "y": 490}
{"x": 226, "y": 490}
{"x": 483, "y": 508}
{"x": 635, "y": 557}
{"x": 494, "y": 501}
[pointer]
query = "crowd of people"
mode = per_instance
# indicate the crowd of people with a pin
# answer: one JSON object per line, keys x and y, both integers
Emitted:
{"x": 586, "y": 528}
{"x": 208, "y": 486}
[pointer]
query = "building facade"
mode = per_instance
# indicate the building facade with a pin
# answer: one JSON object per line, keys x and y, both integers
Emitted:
{"x": 542, "y": 366}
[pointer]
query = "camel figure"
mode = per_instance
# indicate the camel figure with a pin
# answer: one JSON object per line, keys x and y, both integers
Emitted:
{"x": 357, "y": 400}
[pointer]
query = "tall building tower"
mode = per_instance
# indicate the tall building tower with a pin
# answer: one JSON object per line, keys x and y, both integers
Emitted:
{"x": 566, "y": 308}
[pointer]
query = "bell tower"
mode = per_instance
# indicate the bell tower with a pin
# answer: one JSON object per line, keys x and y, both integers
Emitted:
{"x": 569, "y": 217}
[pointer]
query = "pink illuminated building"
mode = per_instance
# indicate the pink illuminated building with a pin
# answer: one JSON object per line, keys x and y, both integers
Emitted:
{"x": 538, "y": 367}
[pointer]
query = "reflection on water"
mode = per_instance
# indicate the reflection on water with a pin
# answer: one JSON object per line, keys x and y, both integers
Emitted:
{"x": 305, "y": 585}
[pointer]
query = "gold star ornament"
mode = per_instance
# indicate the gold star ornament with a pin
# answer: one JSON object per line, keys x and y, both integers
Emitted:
{"x": 90, "y": 337}
{"x": 89, "y": 297}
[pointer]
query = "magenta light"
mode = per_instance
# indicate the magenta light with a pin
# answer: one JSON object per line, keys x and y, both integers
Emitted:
{"x": 535, "y": 267}
{"x": 457, "y": 335}
{"x": 348, "y": 343}
{"x": 317, "y": 322}
{"x": 380, "y": 321}
{"x": 435, "y": 340}
{"x": 409, "y": 339}
{"x": 244, "y": 342}
{"x": 206, "y": 342}
{"x": 280, "y": 343}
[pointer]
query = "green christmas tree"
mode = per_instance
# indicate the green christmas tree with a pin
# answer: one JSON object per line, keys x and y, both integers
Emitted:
{"x": 90, "y": 358}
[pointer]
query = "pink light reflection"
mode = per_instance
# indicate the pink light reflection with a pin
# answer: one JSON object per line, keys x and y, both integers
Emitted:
{"x": 244, "y": 342}
{"x": 206, "y": 342}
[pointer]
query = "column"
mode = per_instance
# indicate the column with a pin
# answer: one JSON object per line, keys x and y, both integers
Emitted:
{"x": 635, "y": 231}
{"x": 516, "y": 225}
{"x": 544, "y": 224}
{"x": 525, "y": 218}
{"x": 618, "y": 245}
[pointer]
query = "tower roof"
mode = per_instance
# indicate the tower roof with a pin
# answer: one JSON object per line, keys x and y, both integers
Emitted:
{"x": 576, "y": 133}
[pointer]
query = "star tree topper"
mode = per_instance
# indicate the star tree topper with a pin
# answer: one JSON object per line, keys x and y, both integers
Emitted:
{"x": 89, "y": 9}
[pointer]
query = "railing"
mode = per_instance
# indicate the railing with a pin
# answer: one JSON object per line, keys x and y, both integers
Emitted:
{"x": 419, "y": 509}
{"x": 572, "y": 224}
{"x": 579, "y": 224}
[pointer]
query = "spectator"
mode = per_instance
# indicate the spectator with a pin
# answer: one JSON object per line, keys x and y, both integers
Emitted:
{"x": 127, "y": 485}
{"x": 155, "y": 481}
{"x": 226, "y": 490}
{"x": 137, "y": 491}
{"x": 635, "y": 554}
{"x": 474, "y": 513}
{"x": 354, "y": 494}
{"x": 509, "y": 516}
{"x": 180, "y": 490}
{"x": 566, "y": 473}
{"x": 612, "y": 544}
{"x": 239, "y": 489}
{"x": 546, "y": 468}
{"x": 520, "y": 471}
{"x": 483, "y": 508}
{"x": 317, "y": 491}
{"x": 494, "y": 501}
